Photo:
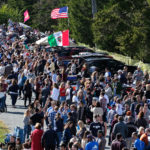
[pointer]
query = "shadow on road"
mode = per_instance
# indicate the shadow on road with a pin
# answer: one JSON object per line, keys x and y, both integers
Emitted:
{"x": 17, "y": 107}
{"x": 18, "y": 113}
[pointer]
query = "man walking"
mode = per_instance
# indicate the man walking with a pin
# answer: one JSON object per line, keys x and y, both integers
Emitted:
{"x": 49, "y": 139}
{"x": 120, "y": 127}
{"x": 118, "y": 143}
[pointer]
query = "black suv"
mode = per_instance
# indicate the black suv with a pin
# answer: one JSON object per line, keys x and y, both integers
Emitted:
{"x": 101, "y": 63}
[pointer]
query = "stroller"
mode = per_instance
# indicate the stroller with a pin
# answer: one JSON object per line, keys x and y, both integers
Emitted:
{"x": 3, "y": 107}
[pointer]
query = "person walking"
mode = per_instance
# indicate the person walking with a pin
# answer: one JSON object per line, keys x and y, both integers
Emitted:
{"x": 67, "y": 135}
{"x": 36, "y": 137}
{"x": 59, "y": 127}
{"x": 118, "y": 143}
{"x": 120, "y": 127}
{"x": 13, "y": 91}
{"x": 131, "y": 128}
{"x": 91, "y": 144}
{"x": 27, "y": 127}
{"x": 27, "y": 91}
{"x": 139, "y": 145}
{"x": 101, "y": 140}
{"x": 49, "y": 139}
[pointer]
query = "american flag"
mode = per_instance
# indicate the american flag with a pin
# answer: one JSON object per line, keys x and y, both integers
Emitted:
{"x": 59, "y": 13}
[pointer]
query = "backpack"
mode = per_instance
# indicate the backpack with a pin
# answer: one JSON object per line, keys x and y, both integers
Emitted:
{"x": 18, "y": 132}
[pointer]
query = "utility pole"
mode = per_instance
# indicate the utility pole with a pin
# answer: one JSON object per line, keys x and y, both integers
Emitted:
{"x": 94, "y": 11}
{"x": 94, "y": 7}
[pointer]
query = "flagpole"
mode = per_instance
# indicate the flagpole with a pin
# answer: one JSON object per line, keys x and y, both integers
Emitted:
{"x": 68, "y": 21}
{"x": 68, "y": 17}
{"x": 94, "y": 11}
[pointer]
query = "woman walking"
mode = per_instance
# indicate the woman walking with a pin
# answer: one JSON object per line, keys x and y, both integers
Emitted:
{"x": 27, "y": 92}
{"x": 27, "y": 127}
{"x": 13, "y": 91}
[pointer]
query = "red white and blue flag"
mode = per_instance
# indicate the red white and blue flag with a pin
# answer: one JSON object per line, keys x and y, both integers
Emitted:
{"x": 59, "y": 13}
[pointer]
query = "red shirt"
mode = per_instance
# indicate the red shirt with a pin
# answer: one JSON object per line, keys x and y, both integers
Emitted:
{"x": 36, "y": 139}
{"x": 62, "y": 91}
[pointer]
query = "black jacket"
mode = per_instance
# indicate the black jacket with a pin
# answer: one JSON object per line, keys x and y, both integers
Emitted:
{"x": 82, "y": 114}
{"x": 59, "y": 125}
{"x": 49, "y": 138}
{"x": 27, "y": 89}
{"x": 13, "y": 88}
{"x": 131, "y": 128}
{"x": 141, "y": 123}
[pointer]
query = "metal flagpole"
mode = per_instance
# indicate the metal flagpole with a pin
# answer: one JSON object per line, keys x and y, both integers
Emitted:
{"x": 68, "y": 17}
{"x": 94, "y": 7}
{"x": 94, "y": 11}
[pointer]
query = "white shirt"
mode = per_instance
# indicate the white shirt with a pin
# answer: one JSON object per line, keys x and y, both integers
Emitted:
{"x": 68, "y": 94}
{"x": 54, "y": 77}
{"x": 106, "y": 97}
{"x": 15, "y": 69}
{"x": 119, "y": 109}
{"x": 55, "y": 94}
{"x": 2, "y": 69}
{"x": 75, "y": 99}
{"x": 108, "y": 92}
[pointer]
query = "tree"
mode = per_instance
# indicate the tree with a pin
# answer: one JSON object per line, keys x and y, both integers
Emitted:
{"x": 41, "y": 15}
{"x": 9, "y": 13}
{"x": 123, "y": 26}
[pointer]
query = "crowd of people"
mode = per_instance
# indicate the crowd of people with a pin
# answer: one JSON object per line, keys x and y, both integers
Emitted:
{"x": 78, "y": 115}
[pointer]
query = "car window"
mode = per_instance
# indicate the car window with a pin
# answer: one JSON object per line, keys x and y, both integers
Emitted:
{"x": 64, "y": 53}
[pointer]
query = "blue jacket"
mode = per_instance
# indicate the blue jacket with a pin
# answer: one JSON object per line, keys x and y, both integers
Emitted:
{"x": 140, "y": 145}
{"x": 92, "y": 146}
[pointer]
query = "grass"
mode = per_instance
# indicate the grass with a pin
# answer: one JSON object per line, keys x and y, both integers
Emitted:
{"x": 3, "y": 131}
{"x": 127, "y": 60}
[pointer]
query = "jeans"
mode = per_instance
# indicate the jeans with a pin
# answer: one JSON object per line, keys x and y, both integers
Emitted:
{"x": 2, "y": 102}
{"x": 20, "y": 90}
{"x": 50, "y": 147}
{"x": 129, "y": 142}
{"x": 62, "y": 98}
{"x": 59, "y": 136}
{"x": 44, "y": 101}
{"x": 26, "y": 132}
{"x": 27, "y": 97}
{"x": 14, "y": 98}
{"x": 32, "y": 128}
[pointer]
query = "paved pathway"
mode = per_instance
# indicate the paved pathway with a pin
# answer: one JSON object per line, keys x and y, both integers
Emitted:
{"x": 14, "y": 116}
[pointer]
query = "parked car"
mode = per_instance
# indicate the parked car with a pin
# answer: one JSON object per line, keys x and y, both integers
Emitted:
{"x": 65, "y": 53}
{"x": 99, "y": 64}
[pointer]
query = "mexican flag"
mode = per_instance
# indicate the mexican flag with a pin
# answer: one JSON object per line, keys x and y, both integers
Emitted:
{"x": 60, "y": 38}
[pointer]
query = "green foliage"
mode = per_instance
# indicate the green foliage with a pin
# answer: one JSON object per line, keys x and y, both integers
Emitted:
{"x": 148, "y": 2}
{"x": 123, "y": 26}
{"x": 3, "y": 131}
{"x": 41, "y": 15}
{"x": 9, "y": 13}
{"x": 81, "y": 21}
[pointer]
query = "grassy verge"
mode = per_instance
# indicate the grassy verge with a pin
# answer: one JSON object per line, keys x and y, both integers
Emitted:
{"x": 127, "y": 60}
{"x": 3, "y": 131}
